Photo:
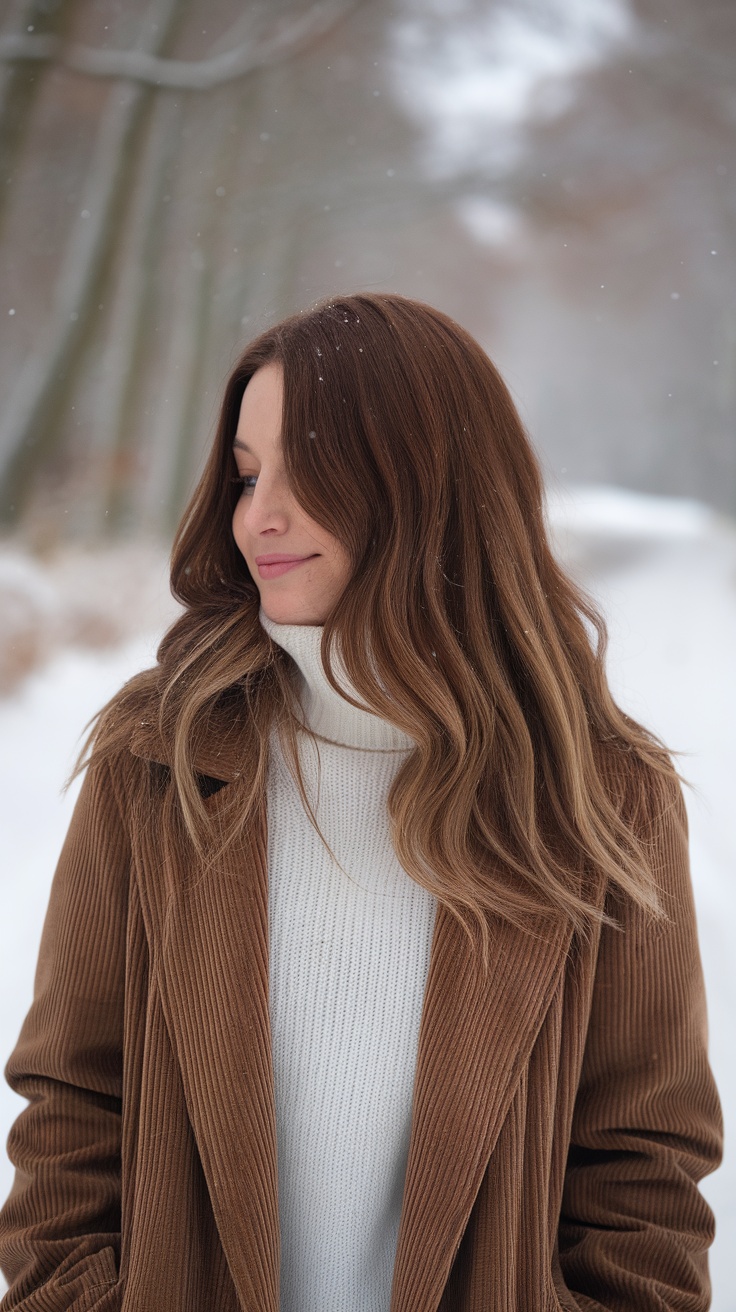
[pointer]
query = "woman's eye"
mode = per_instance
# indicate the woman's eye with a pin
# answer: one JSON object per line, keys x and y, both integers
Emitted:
{"x": 242, "y": 479}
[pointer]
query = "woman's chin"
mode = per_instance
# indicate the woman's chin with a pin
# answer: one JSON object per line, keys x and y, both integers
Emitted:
{"x": 285, "y": 613}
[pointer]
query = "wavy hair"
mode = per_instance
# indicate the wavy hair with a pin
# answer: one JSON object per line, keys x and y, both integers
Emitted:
{"x": 457, "y": 624}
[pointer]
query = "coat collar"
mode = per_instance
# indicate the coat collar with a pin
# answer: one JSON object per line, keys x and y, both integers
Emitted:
{"x": 475, "y": 1039}
{"x": 219, "y": 754}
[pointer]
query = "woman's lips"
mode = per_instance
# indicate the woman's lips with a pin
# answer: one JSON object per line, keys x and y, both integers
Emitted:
{"x": 273, "y": 571}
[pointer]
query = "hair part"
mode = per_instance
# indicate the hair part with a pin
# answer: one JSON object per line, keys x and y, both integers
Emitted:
{"x": 401, "y": 439}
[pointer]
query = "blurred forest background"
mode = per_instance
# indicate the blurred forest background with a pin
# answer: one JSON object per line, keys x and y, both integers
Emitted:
{"x": 557, "y": 175}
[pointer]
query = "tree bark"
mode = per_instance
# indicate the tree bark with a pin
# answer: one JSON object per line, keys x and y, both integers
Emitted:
{"x": 22, "y": 421}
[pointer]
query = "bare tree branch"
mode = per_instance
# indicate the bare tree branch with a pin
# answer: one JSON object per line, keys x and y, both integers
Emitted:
{"x": 184, "y": 75}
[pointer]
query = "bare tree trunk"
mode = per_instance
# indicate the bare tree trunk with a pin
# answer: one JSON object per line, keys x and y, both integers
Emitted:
{"x": 24, "y": 427}
{"x": 164, "y": 476}
{"x": 19, "y": 86}
{"x": 111, "y": 436}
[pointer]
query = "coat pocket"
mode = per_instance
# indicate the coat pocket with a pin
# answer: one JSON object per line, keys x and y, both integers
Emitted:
{"x": 82, "y": 1281}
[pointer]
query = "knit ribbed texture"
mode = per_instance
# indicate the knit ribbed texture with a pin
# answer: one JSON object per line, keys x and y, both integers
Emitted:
{"x": 348, "y": 963}
{"x": 325, "y": 711}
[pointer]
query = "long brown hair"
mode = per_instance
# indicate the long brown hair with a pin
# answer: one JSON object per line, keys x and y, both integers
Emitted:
{"x": 401, "y": 439}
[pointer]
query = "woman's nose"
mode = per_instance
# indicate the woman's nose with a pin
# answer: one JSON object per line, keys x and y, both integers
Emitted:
{"x": 267, "y": 505}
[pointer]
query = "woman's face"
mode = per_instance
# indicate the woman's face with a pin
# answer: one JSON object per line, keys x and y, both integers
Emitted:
{"x": 267, "y": 521}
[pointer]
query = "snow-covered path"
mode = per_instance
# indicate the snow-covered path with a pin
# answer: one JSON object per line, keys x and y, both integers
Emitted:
{"x": 665, "y": 574}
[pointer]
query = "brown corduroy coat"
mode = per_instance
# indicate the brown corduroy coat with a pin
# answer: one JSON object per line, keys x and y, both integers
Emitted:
{"x": 564, "y": 1110}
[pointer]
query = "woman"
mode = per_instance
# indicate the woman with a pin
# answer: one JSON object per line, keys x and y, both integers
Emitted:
{"x": 370, "y": 984}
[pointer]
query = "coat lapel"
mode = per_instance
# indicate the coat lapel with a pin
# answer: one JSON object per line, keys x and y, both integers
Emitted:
{"x": 475, "y": 1038}
{"x": 213, "y": 980}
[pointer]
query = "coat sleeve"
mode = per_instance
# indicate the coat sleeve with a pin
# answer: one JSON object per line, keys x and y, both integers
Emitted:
{"x": 60, "y": 1225}
{"x": 647, "y": 1126}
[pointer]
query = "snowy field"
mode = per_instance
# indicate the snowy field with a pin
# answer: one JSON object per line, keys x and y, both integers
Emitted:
{"x": 664, "y": 572}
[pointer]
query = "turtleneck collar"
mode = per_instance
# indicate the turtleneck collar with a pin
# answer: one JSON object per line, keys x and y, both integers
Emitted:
{"x": 325, "y": 711}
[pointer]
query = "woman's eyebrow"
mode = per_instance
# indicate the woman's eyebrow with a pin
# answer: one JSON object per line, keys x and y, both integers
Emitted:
{"x": 242, "y": 447}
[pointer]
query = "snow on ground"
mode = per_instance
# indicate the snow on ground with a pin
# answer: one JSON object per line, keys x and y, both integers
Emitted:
{"x": 664, "y": 572}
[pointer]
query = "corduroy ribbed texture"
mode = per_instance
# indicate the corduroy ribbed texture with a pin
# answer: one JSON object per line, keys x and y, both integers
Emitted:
{"x": 564, "y": 1110}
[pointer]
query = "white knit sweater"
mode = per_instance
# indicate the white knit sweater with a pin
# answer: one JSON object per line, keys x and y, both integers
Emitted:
{"x": 348, "y": 967}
